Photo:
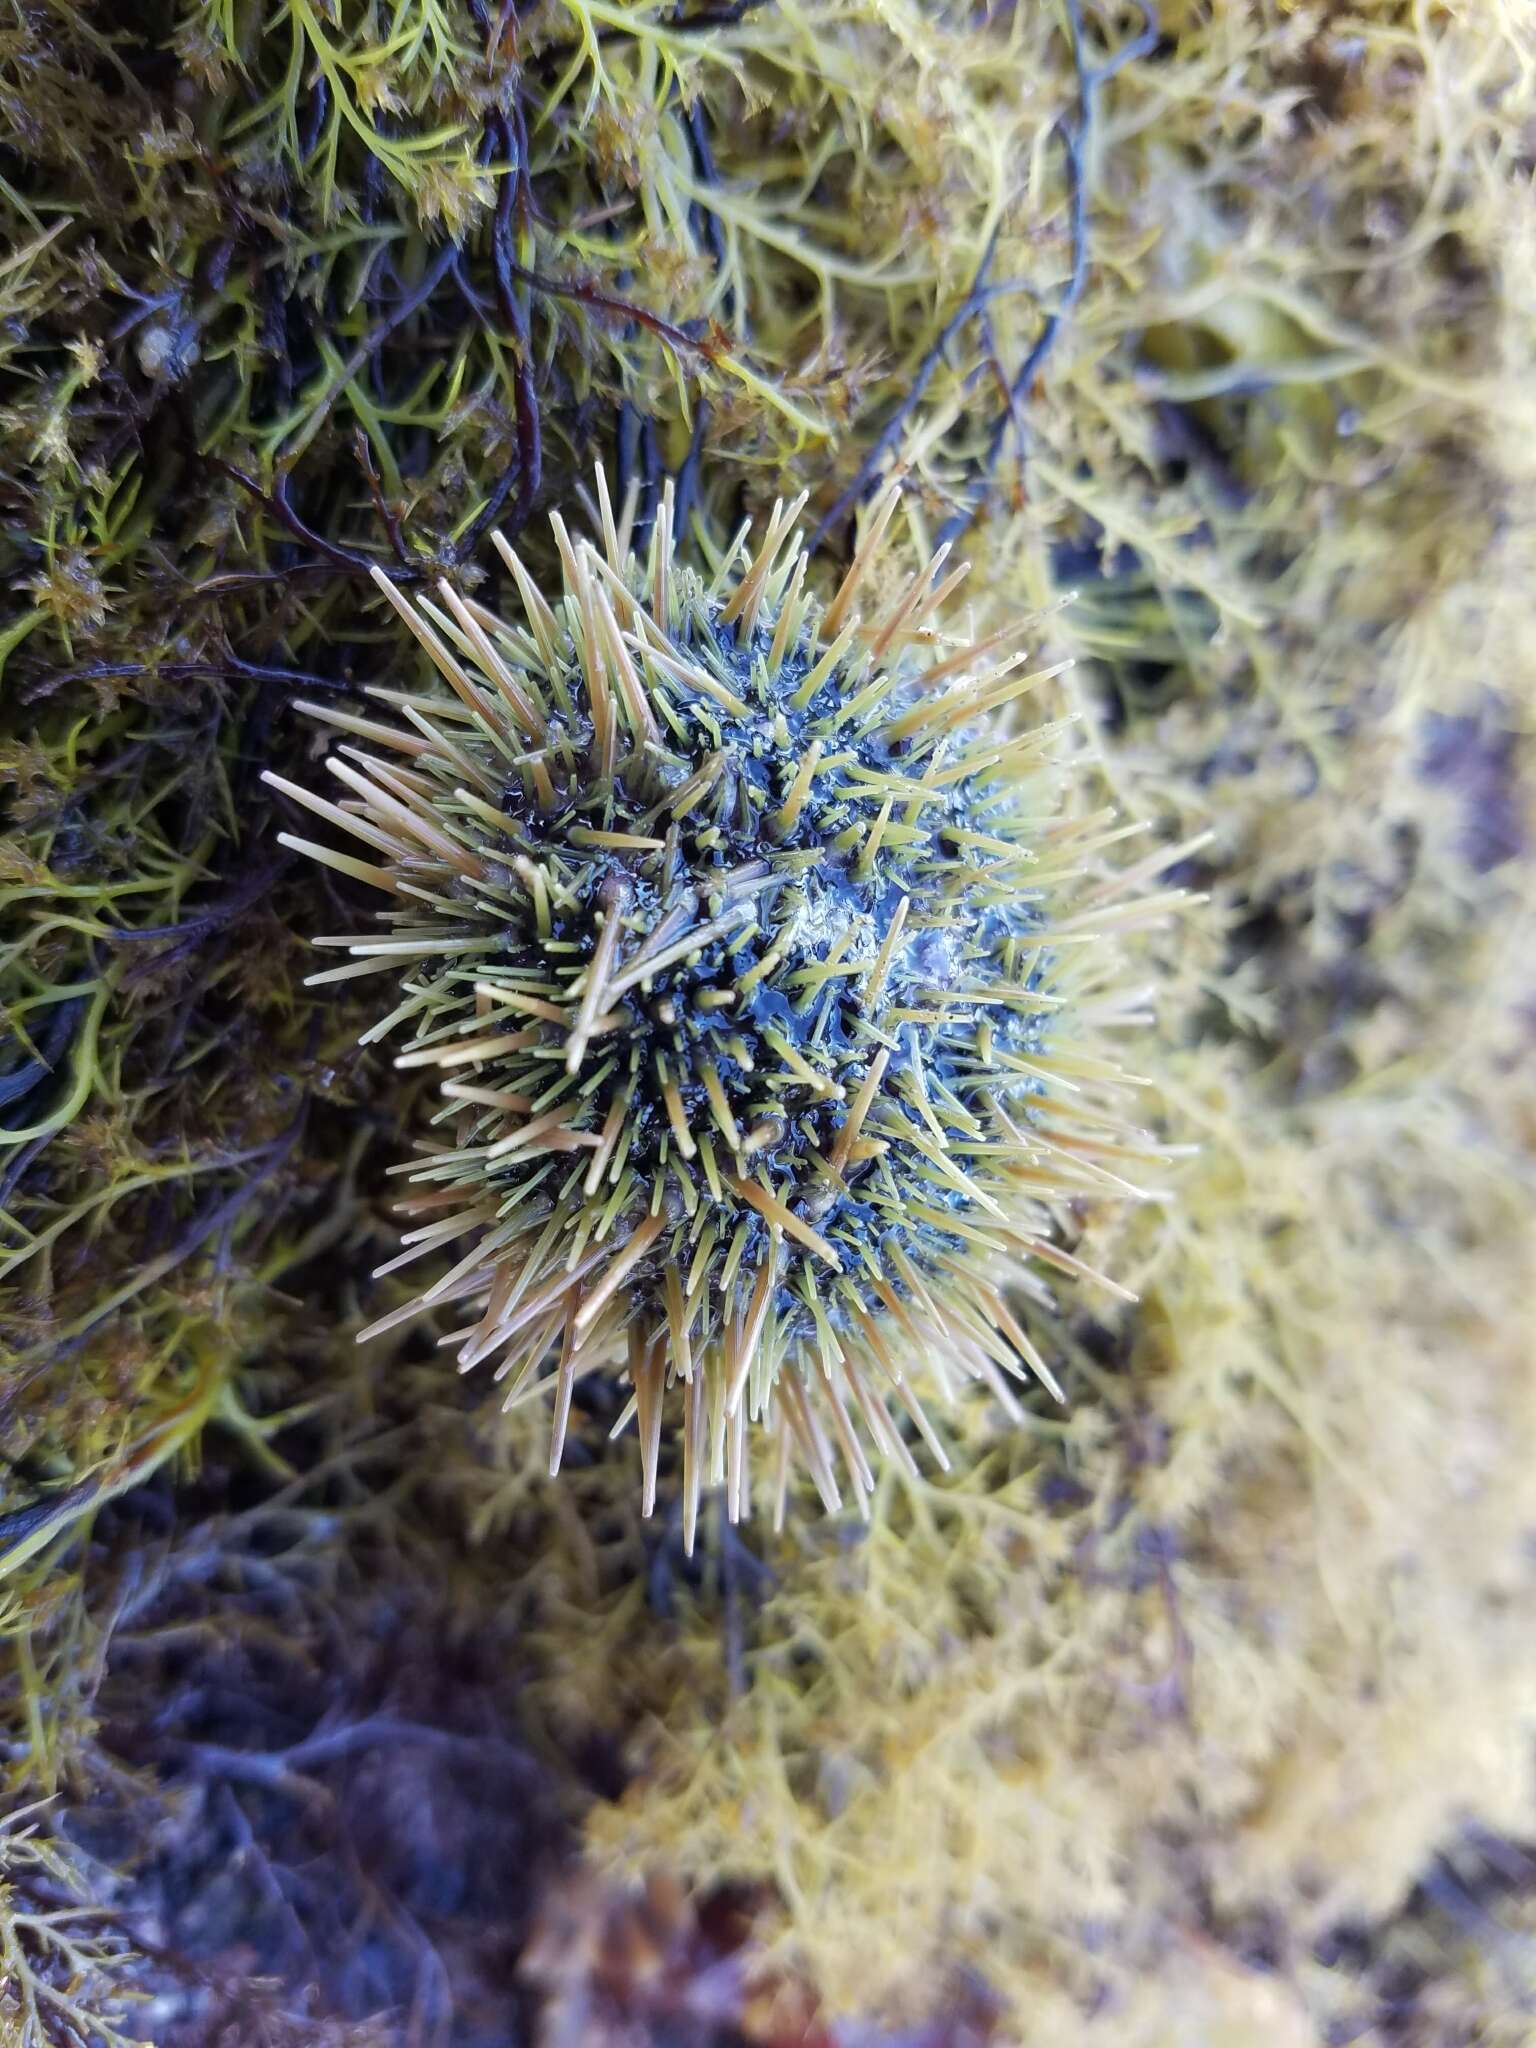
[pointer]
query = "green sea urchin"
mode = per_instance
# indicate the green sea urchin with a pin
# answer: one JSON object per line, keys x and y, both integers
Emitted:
{"x": 741, "y": 930}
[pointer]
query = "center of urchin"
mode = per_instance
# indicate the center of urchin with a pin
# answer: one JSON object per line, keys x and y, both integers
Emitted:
{"x": 727, "y": 920}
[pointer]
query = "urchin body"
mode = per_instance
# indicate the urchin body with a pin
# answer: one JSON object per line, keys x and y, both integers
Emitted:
{"x": 736, "y": 928}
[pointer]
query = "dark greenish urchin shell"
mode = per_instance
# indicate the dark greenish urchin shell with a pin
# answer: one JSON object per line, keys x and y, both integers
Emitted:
{"x": 742, "y": 934}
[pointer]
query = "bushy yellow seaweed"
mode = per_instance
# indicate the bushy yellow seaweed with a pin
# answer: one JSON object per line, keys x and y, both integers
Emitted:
{"x": 1144, "y": 1708}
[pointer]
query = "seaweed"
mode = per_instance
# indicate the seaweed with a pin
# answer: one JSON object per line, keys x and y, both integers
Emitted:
{"x": 1165, "y": 1710}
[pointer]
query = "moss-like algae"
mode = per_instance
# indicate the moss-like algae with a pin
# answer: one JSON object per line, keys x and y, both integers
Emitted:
{"x": 1152, "y": 1698}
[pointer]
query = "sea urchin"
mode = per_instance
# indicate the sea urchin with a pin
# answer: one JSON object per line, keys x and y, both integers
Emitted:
{"x": 742, "y": 932}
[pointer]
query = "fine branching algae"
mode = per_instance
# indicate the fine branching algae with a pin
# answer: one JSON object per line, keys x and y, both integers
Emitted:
{"x": 1196, "y": 1703}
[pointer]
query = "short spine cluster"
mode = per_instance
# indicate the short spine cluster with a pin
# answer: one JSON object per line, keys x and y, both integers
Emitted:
{"x": 751, "y": 945}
